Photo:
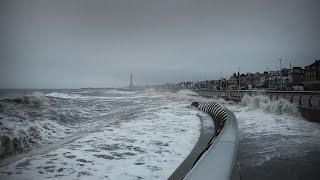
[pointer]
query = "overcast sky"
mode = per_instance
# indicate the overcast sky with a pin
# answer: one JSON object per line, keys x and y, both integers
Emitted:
{"x": 90, "y": 43}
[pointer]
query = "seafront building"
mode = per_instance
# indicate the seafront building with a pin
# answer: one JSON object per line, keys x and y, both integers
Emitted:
{"x": 286, "y": 79}
{"x": 312, "y": 76}
{"x": 296, "y": 77}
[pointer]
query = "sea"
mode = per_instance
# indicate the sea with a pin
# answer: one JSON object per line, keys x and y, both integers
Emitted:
{"x": 141, "y": 134}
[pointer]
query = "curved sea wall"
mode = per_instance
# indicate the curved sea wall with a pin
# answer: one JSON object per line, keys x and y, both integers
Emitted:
{"x": 218, "y": 159}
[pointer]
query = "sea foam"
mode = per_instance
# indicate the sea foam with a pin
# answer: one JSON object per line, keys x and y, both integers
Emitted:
{"x": 278, "y": 107}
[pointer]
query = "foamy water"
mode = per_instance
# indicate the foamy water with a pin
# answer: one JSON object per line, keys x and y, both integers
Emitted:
{"x": 108, "y": 134}
{"x": 272, "y": 129}
{"x": 114, "y": 134}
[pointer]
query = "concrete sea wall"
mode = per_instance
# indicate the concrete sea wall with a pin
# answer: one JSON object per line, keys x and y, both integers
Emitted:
{"x": 213, "y": 157}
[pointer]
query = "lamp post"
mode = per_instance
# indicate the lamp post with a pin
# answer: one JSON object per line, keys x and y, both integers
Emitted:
{"x": 280, "y": 74}
{"x": 221, "y": 81}
{"x": 238, "y": 78}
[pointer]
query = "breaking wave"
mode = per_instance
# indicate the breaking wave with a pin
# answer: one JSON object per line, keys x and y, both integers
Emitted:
{"x": 12, "y": 143}
{"x": 34, "y": 100}
{"x": 29, "y": 121}
{"x": 60, "y": 95}
{"x": 278, "y": 107}
{"x": 150, "y": 90}
{"x": 187, "y": 93}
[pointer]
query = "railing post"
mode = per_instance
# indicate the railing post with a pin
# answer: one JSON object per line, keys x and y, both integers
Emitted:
{"x": 310, "y": 101}
{"x": 291, "y": 100}
{"x": 300, "y": 99}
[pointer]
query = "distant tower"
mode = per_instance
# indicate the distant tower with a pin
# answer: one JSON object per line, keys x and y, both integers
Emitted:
{"x": 131, "y": 83}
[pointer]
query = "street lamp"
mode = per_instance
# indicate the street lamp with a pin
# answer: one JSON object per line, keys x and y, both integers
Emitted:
{"x": 280, "y": 74}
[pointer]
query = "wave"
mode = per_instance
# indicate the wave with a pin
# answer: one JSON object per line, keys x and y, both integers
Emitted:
{"x": 278, "y": 107}
{"x": 34, "y": 100}
{"x": 150, "y": 90}
{"x": 187, "y": 93}
{"x": 61, "y": 95}
{"x": 23, "y": 135}
{"x": 18, "y": 142}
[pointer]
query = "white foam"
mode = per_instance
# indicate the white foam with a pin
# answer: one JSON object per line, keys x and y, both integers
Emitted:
{"x": 150, "y": 90}
{"x": 150, "y": 146}
{"x": 187, "y": 92}
{"x": 61, "y": 95}
{"x": 272, "y": 129}
{"x": 278, "y": 107}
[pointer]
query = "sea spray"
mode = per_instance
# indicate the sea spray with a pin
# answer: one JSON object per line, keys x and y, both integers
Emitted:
{"x": 12, "y": 143}
{"x": 273, "y": 132}
{"x": 147, "y": 133}
{"x": 262, "y": 102}
{"x": 35, "y": 99}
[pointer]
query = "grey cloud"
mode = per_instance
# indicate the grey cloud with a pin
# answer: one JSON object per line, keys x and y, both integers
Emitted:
{"x": 65, "y": 44}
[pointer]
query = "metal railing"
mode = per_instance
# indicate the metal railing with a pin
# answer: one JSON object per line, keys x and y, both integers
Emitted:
{"x": 300, "y": 98}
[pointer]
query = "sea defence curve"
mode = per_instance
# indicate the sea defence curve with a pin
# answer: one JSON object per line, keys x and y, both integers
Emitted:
{"x": 218, "y": 158}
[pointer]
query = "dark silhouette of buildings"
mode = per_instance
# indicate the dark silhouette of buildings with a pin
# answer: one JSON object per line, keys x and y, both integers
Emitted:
{"x": 286, "y": 79}
{"x": 312, "y": 76}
